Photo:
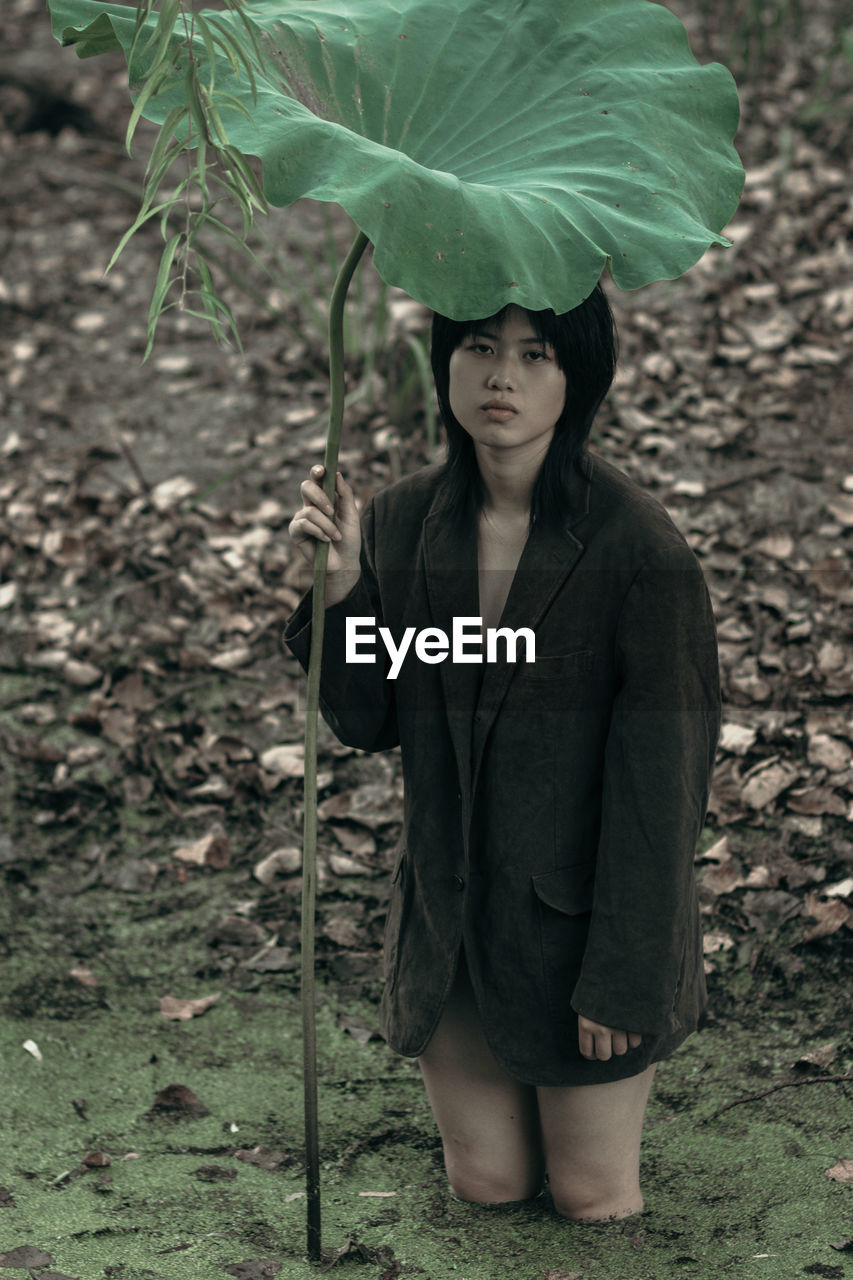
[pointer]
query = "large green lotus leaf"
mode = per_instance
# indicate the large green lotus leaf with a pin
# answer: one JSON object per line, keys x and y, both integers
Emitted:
{"x": 492, "y": 150}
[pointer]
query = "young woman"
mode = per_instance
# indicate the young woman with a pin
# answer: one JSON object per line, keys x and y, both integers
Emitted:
{"x": 542, "y": 948}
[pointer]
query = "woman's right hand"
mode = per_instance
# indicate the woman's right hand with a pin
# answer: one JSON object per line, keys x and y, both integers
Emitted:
{"x": 339, "y": 525}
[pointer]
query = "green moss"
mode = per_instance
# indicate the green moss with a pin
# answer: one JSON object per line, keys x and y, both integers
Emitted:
{"x": 743, "y": 1194}
{"x": 720, "y": 1192}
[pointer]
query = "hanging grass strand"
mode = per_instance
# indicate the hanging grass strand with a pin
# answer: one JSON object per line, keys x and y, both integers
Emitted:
{"x": 309, "y": 843}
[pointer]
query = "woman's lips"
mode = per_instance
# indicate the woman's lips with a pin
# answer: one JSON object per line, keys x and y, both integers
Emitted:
{"x": 499, "y": 410}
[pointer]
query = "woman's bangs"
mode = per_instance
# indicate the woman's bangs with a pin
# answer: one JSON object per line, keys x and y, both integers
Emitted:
{"x": 543, "y": 323}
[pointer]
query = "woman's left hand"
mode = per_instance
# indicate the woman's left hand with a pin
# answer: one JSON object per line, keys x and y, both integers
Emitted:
{"x": 597, "y": 1041}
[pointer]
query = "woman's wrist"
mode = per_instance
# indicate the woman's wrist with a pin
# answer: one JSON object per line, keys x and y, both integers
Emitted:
{"x": 340, "y": 584}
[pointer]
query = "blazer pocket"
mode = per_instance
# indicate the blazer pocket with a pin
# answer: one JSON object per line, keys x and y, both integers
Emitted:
{"x": 562, "y": 666}
{"x": 563, "y": 904}
{"x": 567, "y": 890}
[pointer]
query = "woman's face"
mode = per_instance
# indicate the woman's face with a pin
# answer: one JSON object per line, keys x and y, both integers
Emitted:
{"x": 513, "y": 368}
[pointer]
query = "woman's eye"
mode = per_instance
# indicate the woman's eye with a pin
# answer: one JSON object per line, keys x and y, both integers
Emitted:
{"x": 479, "y": 346}
{"x": 537, "y": 356}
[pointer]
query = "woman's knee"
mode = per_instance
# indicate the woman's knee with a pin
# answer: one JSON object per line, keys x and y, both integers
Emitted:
{"x": 481, "y": 1183}
{"x": 595, "y": 1202}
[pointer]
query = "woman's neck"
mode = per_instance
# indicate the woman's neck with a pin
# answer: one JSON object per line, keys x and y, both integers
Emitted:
{"x": 507, "y": 483}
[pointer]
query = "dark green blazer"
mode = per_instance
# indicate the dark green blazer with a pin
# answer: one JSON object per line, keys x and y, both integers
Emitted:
{"x": 552, "y": 808}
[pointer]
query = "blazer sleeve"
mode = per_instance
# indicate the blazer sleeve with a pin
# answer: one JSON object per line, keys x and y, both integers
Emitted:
{"x": 659, "y": 757}
{"x": 356, "y": 699}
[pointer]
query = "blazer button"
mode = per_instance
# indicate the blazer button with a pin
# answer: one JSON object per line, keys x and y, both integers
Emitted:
{"x": 459, "y": 883}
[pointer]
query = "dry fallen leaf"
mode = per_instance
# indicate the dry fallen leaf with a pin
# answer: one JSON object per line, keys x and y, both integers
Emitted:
{"x": 779, "y": 546}
{"x": 745, "y": 679}
{"x": 828, "y": 752}
{"x": 136, "y": 875}
{"x": 831, "y": 657}
{"x": 831, "y": 573}
{"x": 83, "y": 974}
{"x": 212, "y": 850}
{"x": 287, "y": 761}
{"x": 176, "y": 1010}
{"x": 373, "y": 803}
{"x": 118, "y": 727}
{"x": 273, "y": 959}
{"x": 264, "y": 1158}
{"x": 830, "y": 916}
{"x": 255, "y": 1269}
{"x": 815, "y": 800}
{"x": 81, "y": 674}
{"x": 232, "y": 659}
{"x": 357, "y": 1028}
{"x": 820, "y": 1057}
{"x": 761, "y": 877}
{"x": 737, "y": 738}
{"x": 842, "y": 1171}
{"x": 236, "y": 931}
{"x": 772, "y": 333}
{"x": 342, "y": 865}
{"x": 355, "y": 840}
{"x": 353, "y": 1248}
{"x": 286, "y": 862}
{"x": 26, "y": 1255}
{"x": 842, "y": 509}
{"x": 767, "y": 781}
{"x": 713, "y": 942}
{"x": 844, "y": 889}
{"x": 132, "y": 694}
{"x": 342, "y": 931}
{"x": 717, "y": 852}
{"x": 53, "y": 627}
{"x": 177, "y": 1099}
{"x": 171, "y": 492}
{"x": 724, "y": 877}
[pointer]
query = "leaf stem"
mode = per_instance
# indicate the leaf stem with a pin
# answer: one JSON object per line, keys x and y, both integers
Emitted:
{"x": 309, "y": 843}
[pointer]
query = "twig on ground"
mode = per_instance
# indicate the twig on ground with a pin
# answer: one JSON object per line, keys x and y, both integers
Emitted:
{"x": 130, "y": 459}
{"x": 785, "y": 1084}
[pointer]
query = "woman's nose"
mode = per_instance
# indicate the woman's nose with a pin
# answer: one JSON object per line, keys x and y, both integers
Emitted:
{"x": 501, "y": 377}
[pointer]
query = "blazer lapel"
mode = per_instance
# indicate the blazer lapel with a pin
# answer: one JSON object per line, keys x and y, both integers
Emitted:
{"x": 450, "y": 562}
{"x": 546, "y": 562}
{"x": 548, "y": 558}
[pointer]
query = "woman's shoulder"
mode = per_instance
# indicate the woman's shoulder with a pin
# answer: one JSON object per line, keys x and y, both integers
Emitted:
{"x": 625, "y": 514}
{"x": 411, "y": 496}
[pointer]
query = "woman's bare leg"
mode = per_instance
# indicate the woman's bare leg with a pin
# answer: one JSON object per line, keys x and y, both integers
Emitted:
{"x": 489, "y": 1123}
{"x": 591, "y": 1136}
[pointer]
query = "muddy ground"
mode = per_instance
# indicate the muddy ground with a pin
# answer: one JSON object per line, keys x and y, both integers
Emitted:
{"x": 149, "y": 725}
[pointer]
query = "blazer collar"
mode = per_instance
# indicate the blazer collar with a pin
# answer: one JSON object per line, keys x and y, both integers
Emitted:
{"x": 577, "y": 494}
{"x": 450, "y": 559}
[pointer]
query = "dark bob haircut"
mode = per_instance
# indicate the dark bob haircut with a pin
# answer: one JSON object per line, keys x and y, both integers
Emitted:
{"x": 585, "y": 347}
